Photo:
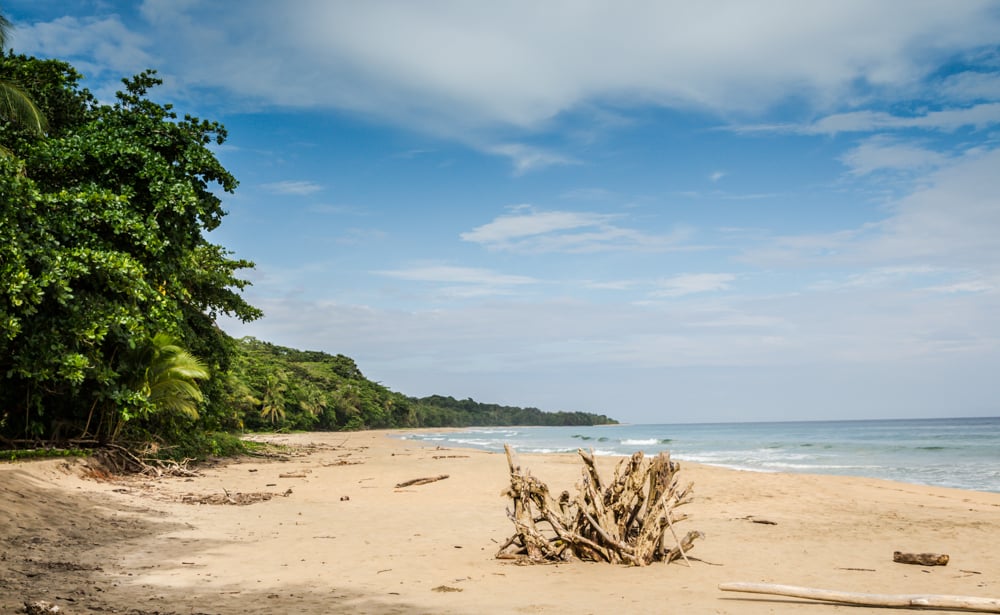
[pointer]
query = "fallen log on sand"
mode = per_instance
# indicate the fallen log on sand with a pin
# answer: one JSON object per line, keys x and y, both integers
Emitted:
{"x": 420, "y": 481}
{"x": 931, "y": 601}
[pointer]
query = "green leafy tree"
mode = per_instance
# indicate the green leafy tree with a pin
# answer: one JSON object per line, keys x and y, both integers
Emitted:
{"x": 102, "y": 245}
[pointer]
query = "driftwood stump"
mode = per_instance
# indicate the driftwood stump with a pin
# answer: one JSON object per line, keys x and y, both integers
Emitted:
{"x": 629, "y": 521}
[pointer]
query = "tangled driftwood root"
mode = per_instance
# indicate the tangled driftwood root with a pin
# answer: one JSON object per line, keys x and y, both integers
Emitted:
{"x": 118, "y": 460}
{"x": 629, "y": 521}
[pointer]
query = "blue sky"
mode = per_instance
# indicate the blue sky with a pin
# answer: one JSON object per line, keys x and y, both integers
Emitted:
{"x": 662, "y": 211}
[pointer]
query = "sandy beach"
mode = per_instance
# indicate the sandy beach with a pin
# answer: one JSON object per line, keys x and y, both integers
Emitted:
{"x": 336, "y": 536}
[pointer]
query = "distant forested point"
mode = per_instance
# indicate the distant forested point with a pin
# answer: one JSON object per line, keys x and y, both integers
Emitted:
{"x": 274, "y": 387}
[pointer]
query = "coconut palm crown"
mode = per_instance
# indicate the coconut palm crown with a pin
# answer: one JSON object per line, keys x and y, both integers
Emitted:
{"x": 15, "y": 104}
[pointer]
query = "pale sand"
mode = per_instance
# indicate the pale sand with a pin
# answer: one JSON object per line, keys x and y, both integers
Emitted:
{"x": 346, "y": 541}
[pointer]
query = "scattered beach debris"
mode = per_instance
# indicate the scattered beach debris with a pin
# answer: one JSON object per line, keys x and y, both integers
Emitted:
{"x": 446, "y": 588}
{"x": 933, "y": 601}
{"x": 342, "y": 462}
{"x": 301, "y": 474}
{"x": 627, "y": 522}
{"x": 921, "y": 559}
{"x": 753, "y": 519}
{"x": 233, "y": 499}
{"x": 40, "y": 607}
{"x": 420, "y": 481}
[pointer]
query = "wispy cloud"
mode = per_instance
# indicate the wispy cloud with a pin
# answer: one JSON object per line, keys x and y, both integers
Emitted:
{"x": 531, "y": 231}
{"x": 692, "y": 283}
{"x": 947, "y": 120}
{"x": 452, "y": 275}
{"x": 295, "y": 188}
{"x": 588, "y": 194}
{"x": 360, "y": 236}
{"x": 951, "y": 219}
{"x": 461, "y": 282}
{"x": 526, "y": 158}
{"x": 885, "y": 153}
{"x": 971, "y": 86}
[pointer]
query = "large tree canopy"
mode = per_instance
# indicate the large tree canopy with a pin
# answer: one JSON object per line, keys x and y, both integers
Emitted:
{"x": 102, "y": 247}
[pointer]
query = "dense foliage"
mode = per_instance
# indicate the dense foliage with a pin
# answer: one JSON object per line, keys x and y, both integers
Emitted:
{"x": 102, "y": 248}
{"x": 109, "y": 289}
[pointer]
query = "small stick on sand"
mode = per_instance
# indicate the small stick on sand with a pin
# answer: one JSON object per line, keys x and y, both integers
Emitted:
{"x": 921, "y": 559}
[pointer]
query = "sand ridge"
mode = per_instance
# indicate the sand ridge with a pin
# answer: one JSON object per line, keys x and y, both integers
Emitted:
{"x": 336, "y": 536}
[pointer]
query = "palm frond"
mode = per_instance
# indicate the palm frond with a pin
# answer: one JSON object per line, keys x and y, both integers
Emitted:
{"x": 172, "y": 376}
{"x": 16, "y": 106}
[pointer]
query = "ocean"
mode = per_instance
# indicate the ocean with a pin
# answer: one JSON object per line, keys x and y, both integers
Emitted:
{"x": 962, "y": 453}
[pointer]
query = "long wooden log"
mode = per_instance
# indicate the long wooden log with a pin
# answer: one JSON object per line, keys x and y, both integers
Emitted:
{"x": 933, "y": 601}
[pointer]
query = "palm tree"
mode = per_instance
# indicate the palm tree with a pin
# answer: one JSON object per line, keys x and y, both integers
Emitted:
{"x": 312, "y": 400}
{"x": 273, "y": 400}
{"x": 170, "y": 381}
{"x": 162, "y": 374}
{"x": 15, "y": 104}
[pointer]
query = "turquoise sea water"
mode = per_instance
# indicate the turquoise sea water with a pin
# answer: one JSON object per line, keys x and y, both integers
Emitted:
{"x": 963, "y": 453}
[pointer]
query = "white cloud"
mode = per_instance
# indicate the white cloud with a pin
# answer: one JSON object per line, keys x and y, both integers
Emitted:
{"x": 520, "y": 225}
{"x": 452, "y": 67}
{"x": 716, "y": 176}
{"x": 692, "y": 283}
{"x": 295, "y": 188}
{"x": 885, "y": 153}
{"x": 104, "y": 50}
{"x": 954, "y": 220}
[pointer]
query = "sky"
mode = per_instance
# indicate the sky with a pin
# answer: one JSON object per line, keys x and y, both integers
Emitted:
{"x": 660, "y": 211}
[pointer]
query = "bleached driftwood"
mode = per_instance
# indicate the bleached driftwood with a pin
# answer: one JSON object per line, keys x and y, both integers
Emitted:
{"x": 626, "y": 522}
{"x": 420, "y": 481}
{"x": 934, "y": 601}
